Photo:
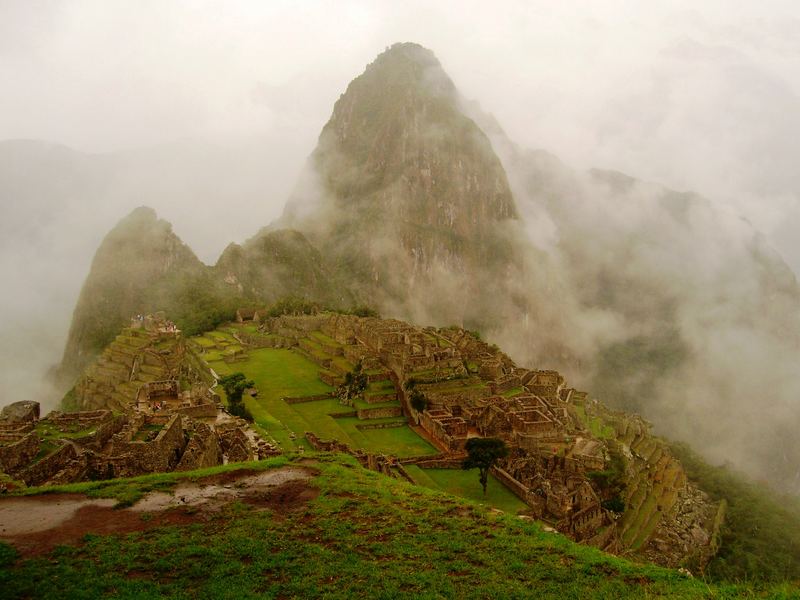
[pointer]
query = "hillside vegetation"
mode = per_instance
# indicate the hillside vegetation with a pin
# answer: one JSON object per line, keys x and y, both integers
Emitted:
{"x": 760, "y": 537}
{"x": 360, "y": 535}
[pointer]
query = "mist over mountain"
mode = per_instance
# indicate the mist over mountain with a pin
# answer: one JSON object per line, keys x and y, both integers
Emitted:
{"x": 58, "y": 203}
{"x": 418, "y": 204}
{"x": 699, "y": 311}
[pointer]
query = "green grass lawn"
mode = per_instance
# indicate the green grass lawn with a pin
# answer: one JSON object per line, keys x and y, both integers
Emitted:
{"x": 49, "y": 431}
{"x": 280, "y": 373}
{"x": 466, "y": 484}
{"x": 595, "y": 424}
{"x": 363, "y": 536}
{"x": 400, "y": 441}
{"x": 203, "y": 341}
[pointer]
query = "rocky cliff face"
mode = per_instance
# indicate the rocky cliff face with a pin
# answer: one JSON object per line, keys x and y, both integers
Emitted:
{"x": 405, "y": 196}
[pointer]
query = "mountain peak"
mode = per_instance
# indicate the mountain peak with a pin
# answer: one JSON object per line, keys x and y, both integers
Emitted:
{"x": 141, "y": 214}
{"x": 403, "y": 67}
{"x": 405, "y": 52}
{"x": 403, "y": 185}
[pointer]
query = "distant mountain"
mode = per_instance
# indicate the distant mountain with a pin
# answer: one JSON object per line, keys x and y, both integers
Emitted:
{"x": 274, "y": 264}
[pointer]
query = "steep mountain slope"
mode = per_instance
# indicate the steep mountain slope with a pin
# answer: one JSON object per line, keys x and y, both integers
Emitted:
{"x": 59, "y": 202}
{"x": 279, "y": 263}
{"x": 405, "y": 197}
{"x": 140, "y": 267}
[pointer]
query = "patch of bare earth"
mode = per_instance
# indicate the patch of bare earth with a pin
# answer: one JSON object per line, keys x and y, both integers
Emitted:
{"x": 37, "y": 524}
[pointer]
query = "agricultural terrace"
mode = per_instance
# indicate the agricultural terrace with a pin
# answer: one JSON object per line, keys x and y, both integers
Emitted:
{"x": 281, "y": 373}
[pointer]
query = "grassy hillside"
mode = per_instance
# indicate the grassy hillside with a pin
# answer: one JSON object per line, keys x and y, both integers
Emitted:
{"x": 362, "y": 536}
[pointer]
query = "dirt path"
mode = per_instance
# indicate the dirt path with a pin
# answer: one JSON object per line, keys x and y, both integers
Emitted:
{"x": 37, "y": 524}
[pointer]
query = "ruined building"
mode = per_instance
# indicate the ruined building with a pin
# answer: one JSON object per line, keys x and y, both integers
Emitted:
{"x": 146, "y": 405}
{"x": 574, "y": 463}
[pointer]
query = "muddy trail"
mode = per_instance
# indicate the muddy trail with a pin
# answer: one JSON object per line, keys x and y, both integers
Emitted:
{"x": 35, "y": 525}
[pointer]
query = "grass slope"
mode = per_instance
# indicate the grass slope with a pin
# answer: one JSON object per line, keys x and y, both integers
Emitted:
{"x": 466, "y": 484}
{"x": 364, "y": 536}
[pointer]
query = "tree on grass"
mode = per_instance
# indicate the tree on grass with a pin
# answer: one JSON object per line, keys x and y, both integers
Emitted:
{"x": 234, "y": 385}
{"x": 355, "y": 382}
{"x": 483, "y": 454}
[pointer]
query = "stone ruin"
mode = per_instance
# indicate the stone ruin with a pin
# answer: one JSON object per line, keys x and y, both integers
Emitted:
{"x": 381, "y": 463}
{"x": 472, "y": 389}
{"x": 166, "y": 396}
{"x": 156, "y": 323}
{"x": 88, "y": 445}
{"x": 147, "y": 407}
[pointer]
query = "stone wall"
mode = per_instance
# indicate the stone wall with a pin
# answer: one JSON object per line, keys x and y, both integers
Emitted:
{"x": 466, "y": 396}
{"x": 344, "y": 414}
{"x": 159, "y": 455}
{"x": 369, "y": 426}
{"x": 381, "y": 398}
{"x": 76, "y": 421}
{"x": 103, "y": 433}
{"x": 520, "y": 491}
{"x": 302, "y": 399}
{"x": 435, "y": 462}
{"x": 235, "y": 444}
{"x": 383, "y": 412}
{"x": 199, "y": 412}
{"x": 332, "y": 379}
{"x": 13, "y": 427}
{"x": 375, "y": 377}
{"x": 19, "y": 453}
{"x": 49, "y": 466}
{"x": 203, "y": 450}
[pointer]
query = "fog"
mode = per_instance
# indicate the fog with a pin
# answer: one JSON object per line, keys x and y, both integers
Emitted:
{"x": 206, "y": 111}
{"x": 696, "y": 98}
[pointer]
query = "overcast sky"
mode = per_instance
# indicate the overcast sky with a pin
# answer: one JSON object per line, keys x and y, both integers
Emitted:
{"x": 699, "y": 96}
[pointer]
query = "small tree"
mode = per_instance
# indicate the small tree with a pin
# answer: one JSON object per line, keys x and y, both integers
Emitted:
{"x": 355, "y": 382}
{"x": 483, "y": 454}
{"x": 234, "y": 385}
{"x": 418, "y": 400}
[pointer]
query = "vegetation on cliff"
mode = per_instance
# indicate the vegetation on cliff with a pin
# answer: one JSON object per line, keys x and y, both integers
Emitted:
{"x": 760, "y": 537}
